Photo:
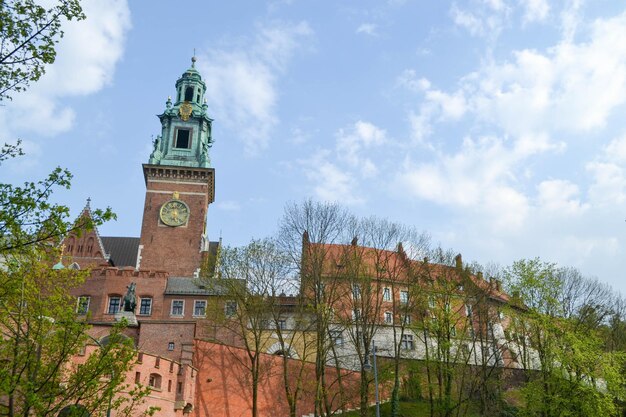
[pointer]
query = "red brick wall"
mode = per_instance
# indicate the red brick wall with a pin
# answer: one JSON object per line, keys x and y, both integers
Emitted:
{"x": 113, "y": 281}
{"x": 154, "y": 337}
{"x": 174, "y": 249}
{"x": 224, "y": 390}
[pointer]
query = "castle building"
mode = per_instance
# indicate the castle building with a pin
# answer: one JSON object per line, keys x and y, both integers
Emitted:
{"x": 164, "y": 262}
{"x": 160, "y": 270}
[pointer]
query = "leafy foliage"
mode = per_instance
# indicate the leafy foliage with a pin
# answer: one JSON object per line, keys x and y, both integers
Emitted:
{"x": 41, "y": 341}
{"x": 27, "y": 215}
{"x": 29, "y": 33}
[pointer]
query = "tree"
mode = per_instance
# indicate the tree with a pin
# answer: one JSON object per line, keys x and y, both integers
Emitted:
{"x": 29, "y": 33}
{"x": 41, "y": 339}
{"x": 568, "y": 370}
{"x": 306, "y": 232}
{"x": 29, "y": 218}
{"x": 251, "y": 277}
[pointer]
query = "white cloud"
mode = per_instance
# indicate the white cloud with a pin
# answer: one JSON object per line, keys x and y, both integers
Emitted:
{"x": 560, "y": 197}
{"x": 336, "y": 173}
{"x": 330, "y": 182}
{"x": 467, "y": 20}
{"x": 608, "y": 187}
{"x": 242, "y": 81}
{"x": 86, "y": 59}
{"x": 535, "y": 10}
{"x": 477, "y": 178}
{"x": 571, "y": 88}
{"x": 351, "y": 142}
{"x": 368, "y": 29}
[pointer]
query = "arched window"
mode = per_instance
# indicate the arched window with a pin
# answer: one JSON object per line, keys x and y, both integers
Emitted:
{"x": 189, "y": 94}
{"x": 70, "y": 244}
{"x": 155, "y": 381}
{"x": 89, "y": 245}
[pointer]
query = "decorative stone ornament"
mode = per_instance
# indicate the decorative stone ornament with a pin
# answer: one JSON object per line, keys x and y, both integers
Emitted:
{"x": 185, "y": 111}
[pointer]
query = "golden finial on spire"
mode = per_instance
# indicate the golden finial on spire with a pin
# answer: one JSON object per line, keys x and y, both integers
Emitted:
{"x": 62, "y": 251}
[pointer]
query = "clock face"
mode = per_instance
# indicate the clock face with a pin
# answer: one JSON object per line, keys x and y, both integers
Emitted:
{"x": 174, "y": 213}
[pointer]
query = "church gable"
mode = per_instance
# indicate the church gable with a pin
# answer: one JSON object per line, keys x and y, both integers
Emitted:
{"x": 84, "y": 246}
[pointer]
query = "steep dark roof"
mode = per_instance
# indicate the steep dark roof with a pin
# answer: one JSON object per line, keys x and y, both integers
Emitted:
{"x": 122, "y": 250}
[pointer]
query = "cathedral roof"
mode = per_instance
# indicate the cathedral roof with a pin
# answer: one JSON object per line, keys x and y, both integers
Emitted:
{"x": 122, "y": 251}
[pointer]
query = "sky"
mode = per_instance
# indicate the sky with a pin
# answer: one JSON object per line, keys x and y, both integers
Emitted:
{"x": 495, "y": 125}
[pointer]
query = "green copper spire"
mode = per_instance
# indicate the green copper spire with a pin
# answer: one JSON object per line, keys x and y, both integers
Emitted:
{"x": 185, "y": 126}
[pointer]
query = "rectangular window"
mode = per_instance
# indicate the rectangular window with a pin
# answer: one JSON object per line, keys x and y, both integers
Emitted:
{"x": 82, "y": 306}
{"x": 407, "y": 342}
{"x": 356, "y": 291}
{"x": 388, "y": 317}
{"x": 183, "y": 139}
{"x": 336, "y": 337}
{"x": 356, "y": 314}
{"x": 386, "y": 294}
{"x": 407, "y": 319}
{"x": 114, "y": 305}
{"x": 230, "y": 308}
{"x": 178, "y": 306}
{"x": 431, "y": 302}
{"x": 468, "y": 310}
{"x": 145, "y": 306}
{"x": 199, "y": 308}
{"x": 282, "y": 324}
{"x": 170, "y": 346}
{"x": 453, "y": 331}
{"x": 404, "y": 297}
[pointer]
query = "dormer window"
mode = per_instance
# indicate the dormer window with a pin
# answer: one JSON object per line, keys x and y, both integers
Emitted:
{"x": 183, "y": 139}
{"x": 189, "y": 94}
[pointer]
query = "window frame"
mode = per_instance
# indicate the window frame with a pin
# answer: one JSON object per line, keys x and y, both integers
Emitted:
{"x": 336, "y": 337}
{"x": 190, "y": 138}
{"x": 182, "y": 308}
{"x": 79, "y": 300}
{"x": 119, "y": 304}
{"x": 141, "y": 300}
{"x": 356, "y": 291}
{"x": 386, "y": 294}
{"x": 388, "y": 317}
{"x": 228, "y": 312}
{"x": 154, "y": 381}
{"x": 407, "y": 342}
{"x": 404, "y": 296}
{"x": 195, "y": 306}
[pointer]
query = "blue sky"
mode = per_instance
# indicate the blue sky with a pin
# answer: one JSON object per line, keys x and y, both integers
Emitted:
{"x": 495, "y": 125}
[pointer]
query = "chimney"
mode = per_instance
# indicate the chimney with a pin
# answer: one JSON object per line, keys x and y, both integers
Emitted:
{"x": 354, "y": 241}
{"x": 458, "y": 261}
{"x": 305, "y": 238}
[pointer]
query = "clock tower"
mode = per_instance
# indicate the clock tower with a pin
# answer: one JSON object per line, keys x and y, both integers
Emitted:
{"x": 180, "y": 184}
